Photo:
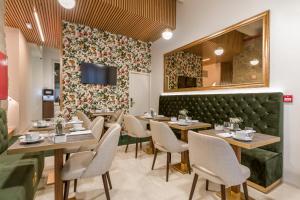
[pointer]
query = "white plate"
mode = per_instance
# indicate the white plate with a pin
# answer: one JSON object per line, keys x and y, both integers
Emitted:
{"x": 77, "y": 129}
{"x": 75, "y": 122}
{"x": 24, "y": 141}
{"x": 183, "y": 123}
{"x": 246, "y": 139}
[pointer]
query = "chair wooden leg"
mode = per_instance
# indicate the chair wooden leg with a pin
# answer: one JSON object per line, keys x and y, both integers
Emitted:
{"x": 154, "y": 159}
{"x": 223, "y": 192}
{"x": 206, "y": 185}
{"x": 136, "y": 147}
{"x": 245, "y": 190}
{"x": 105, "y": 186}
{"x": 168, "y": 165}
{"x": 126, "y": 148}
{"x": 109, "y": 181}
{"x": 75, "y": 185}
{"x": 193, "y": 186}
{"x": 188, "y": 162}
{"x": 66, "y": 190}
{"x": 141, "y": 145}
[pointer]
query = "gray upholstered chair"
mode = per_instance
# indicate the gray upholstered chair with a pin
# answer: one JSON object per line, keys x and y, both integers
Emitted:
{"x": 119, "y": 119}
{"x": 165, "y": 140}
{"x": 213, "y": 159}
{"x": 93, "y": 163}
{"x": 136, "y": 130}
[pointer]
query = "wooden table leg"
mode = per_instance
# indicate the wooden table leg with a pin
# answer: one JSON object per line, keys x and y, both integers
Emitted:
{"x": 238, "y": 152}
{"x": 182, "y": 166}
{"x": 58, "y": 164}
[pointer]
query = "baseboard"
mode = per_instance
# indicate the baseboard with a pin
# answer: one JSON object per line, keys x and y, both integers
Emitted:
{"x": 262, "y": 188}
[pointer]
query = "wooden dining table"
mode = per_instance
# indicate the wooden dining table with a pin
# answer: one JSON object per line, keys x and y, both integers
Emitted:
{"x": 48, "y": 144}
{"x": 183, "y": 165}
{"x": 259, "y": 140}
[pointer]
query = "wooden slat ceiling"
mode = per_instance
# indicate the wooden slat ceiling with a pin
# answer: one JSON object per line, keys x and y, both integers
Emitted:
{"x": 139, "y": 19}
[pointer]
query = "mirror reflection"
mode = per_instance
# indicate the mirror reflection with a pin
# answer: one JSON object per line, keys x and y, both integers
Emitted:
{"x": 230, "y": 59}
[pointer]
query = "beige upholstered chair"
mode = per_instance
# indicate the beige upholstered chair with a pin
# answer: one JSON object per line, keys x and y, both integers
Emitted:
{"x": 213, "y": 158}
{"x": 118, "y": 121}
{"x": 93, "y": 163}
{"x": 97, "y": 130}
{"x": 136, "y": 130}
{"x": 165, "y": 140}
{"x": 82, "y": 117}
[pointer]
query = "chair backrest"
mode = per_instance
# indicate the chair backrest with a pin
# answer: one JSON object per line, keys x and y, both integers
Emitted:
{"x": 3, "y": 131}
{"x": 104, "y": 152}
{"x": 95, "y": 121}
{"x": 97, "y": 128}
{"x": 120, "y": 118}
{"x": 163, "y": 135}
{"x": 134, "y": 126}
{"x": 215, "y": 155}
{"x": 82, "y": 117}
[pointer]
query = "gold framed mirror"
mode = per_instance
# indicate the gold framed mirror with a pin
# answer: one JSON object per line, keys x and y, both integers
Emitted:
{"x": 236, "y": 57}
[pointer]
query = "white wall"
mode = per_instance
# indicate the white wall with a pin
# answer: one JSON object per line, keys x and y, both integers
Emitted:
{"x": 50, "y": 56}
{"x": 19, "y": 73}
{"x": 199, "y": 18}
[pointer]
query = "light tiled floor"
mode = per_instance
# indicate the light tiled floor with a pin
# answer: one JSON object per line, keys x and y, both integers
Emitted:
{"x": 133, "y": 179}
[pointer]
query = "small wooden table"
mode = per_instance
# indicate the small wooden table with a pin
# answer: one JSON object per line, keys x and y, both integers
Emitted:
{"x": 259, "y": 140}
{"x": 47, "y": 144}
{"x": 183, "y": 165}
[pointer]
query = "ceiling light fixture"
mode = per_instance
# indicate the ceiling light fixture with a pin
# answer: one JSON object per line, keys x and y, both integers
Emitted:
{"x": 167, "y": 34}
{"x": 37, "y": 19}
{"x": 254, "y": 62}
{"x": 205, "y": 59}
{"x": 67, "y": 4}
{"x": 219, "y": 51}
{"x": 29, "y": 25}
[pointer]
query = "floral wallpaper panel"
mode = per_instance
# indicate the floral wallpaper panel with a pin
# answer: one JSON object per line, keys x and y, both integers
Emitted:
{"x": 85, "y": 44}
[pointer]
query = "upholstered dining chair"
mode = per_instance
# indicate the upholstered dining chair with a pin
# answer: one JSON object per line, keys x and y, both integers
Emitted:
{"x": 136, "y": 130}
{"x": 93, "y": 163}
{"x": 213, "y": 158}
{"x": 119, "y": 120}
{"x": 97, "y": 129}
{"x": 82, "y": 117}
{"x": 165, "y": 140}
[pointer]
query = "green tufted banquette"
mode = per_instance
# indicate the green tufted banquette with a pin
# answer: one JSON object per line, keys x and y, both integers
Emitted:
{"x": 262, "y": 111}
{"x": 19, "y": 173}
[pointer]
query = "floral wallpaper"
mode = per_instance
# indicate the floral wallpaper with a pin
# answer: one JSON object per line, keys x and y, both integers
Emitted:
{"x": 85, "y": 44}
{"x": 183, "y": 64}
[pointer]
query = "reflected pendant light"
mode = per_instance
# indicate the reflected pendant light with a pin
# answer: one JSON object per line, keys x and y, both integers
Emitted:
{"x": 219, "y": 51}
{"x": 254, "y": 62}
{"x": 67, "y": 4}
{"x": 167, "y": 34}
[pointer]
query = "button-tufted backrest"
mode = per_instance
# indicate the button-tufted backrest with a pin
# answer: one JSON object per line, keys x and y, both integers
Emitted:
{"x": 262, "y": 111}
{"x": 3, "y": 131}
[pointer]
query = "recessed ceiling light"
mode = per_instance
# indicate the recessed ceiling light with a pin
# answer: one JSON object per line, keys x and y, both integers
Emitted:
{"x": 29, "y": 25}
{"x": 167, "y": 34}
{"x": 205, "y": 59}
{"x": 219, "y": 51}
{"x": 254, "y": 62}
{"x": 67, "y": 4}
{"x": 37, "y": 19}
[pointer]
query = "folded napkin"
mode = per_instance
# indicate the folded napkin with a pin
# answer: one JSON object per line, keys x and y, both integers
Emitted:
{"x": 80, "y": 133}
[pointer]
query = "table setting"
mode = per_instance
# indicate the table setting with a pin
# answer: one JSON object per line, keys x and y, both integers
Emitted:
{"x": 231, "y": 129}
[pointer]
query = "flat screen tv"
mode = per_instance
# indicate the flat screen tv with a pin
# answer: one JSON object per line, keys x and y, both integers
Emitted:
{"x": 98, "y": 74}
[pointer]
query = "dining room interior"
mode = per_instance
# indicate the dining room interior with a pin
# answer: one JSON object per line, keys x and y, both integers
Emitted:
{"x": 149, "y": 99}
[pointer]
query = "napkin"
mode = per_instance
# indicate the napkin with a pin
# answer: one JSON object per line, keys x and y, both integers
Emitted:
{"x": 224, "y": 135}
{"x": 80, "y": 133}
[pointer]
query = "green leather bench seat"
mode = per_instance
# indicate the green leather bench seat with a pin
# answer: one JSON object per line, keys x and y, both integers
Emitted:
{"x": 266, "y": 166}
{"x": 19, "y": 173}
{"x": 262, "y": 111}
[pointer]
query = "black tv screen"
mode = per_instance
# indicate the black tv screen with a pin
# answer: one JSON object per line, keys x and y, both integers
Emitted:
{"x": 98, "y": 74}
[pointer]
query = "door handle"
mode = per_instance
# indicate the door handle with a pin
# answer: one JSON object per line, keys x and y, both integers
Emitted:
{"x": 131, "y": 102}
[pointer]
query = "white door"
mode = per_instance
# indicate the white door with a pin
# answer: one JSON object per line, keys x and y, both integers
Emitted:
{"x": 139, "y": 93}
